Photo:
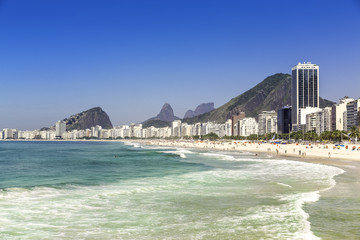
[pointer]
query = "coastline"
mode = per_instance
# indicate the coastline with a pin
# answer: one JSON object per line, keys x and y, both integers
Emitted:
{"x": 317, "y": 153}
{"x": 308, "y": 152}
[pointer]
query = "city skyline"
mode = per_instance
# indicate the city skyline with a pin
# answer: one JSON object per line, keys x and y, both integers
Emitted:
{"x": 129, "y": 58}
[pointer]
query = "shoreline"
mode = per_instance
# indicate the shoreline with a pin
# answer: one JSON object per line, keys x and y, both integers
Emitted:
{"x": 308, "y": 152}
{"x": 314, "y": 152}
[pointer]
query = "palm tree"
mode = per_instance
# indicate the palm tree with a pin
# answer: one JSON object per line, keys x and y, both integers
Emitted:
{"x": 354, "y": 133}
{"x": 326, "y": 135}
{"x": 312, "y": 136}
{"x": 296, "y": 135}
{"x": 336, "y": 135}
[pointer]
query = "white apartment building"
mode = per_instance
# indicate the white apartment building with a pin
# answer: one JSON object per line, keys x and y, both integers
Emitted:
{"x": 10, "y": 133}
{"x": 176, "y": 128}
{"x": 305, "y": 111}
{"x": 165, "y": 132}
{"x": 95, "y": 131}
{"x": 186, "y": 129}
{"x": 337, "y": 114}
{"x": 327, "y": 118}
{"x": 228, "y": 127}
{"x": 315, "y": 122}
{"x": 267, "y": 122}
{"x": 248, "y": 126}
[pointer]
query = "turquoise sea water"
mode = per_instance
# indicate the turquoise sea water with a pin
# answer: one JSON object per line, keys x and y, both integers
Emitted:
{"x": 100, "y": 190}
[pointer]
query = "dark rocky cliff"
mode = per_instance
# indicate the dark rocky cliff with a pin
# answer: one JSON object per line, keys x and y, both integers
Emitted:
{"x": 87, "y": 119}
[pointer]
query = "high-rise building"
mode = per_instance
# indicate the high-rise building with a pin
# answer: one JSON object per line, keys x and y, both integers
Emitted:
{"x": 9, "y": 133}
{"x": 304, "y": 89}
{"x": 60, "y": 129}
{"x": 315, "y": 121}
{"x": 248, "y": 126}
{"x": 284, "y": 120}
{"x": 327, "y": 118}
{"x": 228, "y": 127}
{"x": 338, "y": 112}
{"x": 267, "y": 122}
{"x": 235, "y": 120}
{"x": 352, "y": 109}
{"x": 176, "y": 128}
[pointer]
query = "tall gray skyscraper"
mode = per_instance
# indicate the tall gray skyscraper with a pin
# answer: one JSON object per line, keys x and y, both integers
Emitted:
{"x": 60, "y": 128}
{"x": 304, "y": 89}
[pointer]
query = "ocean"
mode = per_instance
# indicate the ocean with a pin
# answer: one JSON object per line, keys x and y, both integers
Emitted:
{"x": 115, "y": 190}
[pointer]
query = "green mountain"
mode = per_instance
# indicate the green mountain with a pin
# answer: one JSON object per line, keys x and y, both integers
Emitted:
{"x": 272, "y": 93}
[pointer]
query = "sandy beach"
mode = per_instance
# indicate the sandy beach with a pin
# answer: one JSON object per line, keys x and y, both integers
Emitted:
{"x": 294, "y": 150}
{"x": 303, "y": 151}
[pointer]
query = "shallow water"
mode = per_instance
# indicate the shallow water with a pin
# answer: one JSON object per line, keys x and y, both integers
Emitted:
{"x": 95, "y": 190}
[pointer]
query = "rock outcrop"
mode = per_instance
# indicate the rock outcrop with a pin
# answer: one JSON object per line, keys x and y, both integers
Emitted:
{"x": 87, "y": 119}
{"x": 165, "y": 116}
{"x": 200, "y": 109}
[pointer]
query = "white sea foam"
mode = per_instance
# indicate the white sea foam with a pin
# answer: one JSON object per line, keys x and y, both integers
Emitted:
{"x": 219, "y": 156}
{"x": 284, "y": 221}
{"x": 178, "y": 151}
{"x": 133, "y": 144}
{"x": 296, "y": 203}
{"x": 326, "y": 174}
{"x": 183, "y": 206}
{"x": 318, "y": 174}
{"x": 284, "y": 184}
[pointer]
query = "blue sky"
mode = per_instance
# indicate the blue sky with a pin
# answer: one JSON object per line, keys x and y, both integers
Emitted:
{"x": 61, "y": 57}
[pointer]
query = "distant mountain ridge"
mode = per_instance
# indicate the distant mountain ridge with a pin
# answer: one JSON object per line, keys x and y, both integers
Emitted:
{"x": 164, "y": 118}
{"x": 200, "y": 109}
{"x": 272, "y": 93}
{"x": 87, "y": 119}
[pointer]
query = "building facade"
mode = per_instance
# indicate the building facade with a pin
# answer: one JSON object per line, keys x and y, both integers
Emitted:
{"x": 284, "y": 120}
{"x": 338, "y": 112}
{"x": 352, "y": 109}
{"x": 304, "y": 89}
{"x": 327, "y": 118}
{"x": 235, "y": 121}
{"x": 60, "y": 128}
{"x": 315, "y": 122}
{"x": 267, "y": 122}
{"x": 248, "y": 126}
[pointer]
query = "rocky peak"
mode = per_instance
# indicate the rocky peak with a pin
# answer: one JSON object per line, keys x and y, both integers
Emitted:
{"x": 165, "y": 115}
{"x": 200, "y": 109}
{"x": 87, "y": 119}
